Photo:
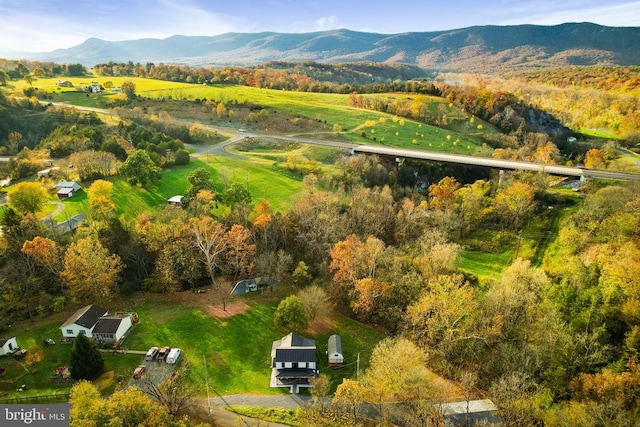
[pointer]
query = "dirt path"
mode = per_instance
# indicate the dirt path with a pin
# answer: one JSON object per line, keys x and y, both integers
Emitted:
{"x": 56, "y": 212}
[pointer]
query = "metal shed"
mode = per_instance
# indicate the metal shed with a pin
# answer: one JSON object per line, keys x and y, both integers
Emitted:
{"x": 334, "y": 351}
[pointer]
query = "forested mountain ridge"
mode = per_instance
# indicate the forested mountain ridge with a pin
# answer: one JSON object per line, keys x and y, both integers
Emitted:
{"x": 481, "y": 48}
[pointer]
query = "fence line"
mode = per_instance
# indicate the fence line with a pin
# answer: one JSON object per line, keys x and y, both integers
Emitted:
{"x": 41, "y": 398}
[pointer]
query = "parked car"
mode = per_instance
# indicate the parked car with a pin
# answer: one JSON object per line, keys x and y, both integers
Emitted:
{"x": 174, "y": 356}
{"x": 137, "y": 373}
{"x": 163, "y": 353}
{"x": 151, "y": 354}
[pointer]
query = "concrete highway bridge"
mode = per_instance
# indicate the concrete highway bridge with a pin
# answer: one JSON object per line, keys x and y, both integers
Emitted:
{"x": 495, "y": 163}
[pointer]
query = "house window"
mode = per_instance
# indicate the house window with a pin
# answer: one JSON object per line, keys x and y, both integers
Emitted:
{"x": 82, "y": 332}
{"x": 69, "y": 331}
{"x": 10, "y": 347}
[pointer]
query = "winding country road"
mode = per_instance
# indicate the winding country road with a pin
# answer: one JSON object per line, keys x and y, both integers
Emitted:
{"x": 236, "y": 135}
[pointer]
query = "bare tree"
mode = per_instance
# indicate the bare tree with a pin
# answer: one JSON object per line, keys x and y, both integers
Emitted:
{"x": 315, "y": 301}
{"x": 210, "y": 238}
{"x": 173, "y": 393}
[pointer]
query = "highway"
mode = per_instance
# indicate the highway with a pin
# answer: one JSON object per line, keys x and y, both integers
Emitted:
{"x": 237, "y": 136}
{"x": 496, "y": 163}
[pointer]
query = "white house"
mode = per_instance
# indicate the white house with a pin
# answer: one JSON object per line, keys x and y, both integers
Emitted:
{"x": 96, "y": 322}
{"x": 8, "y": 345}
{"x": 175, "y": 200}
{"x": 83, "y": 321}
{"x": 293, "y": 362}
{"x": 112, "y": 328}
{"x": 95, "y": 87}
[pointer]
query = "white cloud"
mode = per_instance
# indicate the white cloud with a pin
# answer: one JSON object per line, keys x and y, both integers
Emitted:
{"x": 328, "y": 23}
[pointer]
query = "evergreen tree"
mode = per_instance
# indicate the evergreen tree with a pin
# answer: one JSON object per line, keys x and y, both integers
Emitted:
{"x": 86, "y": 360}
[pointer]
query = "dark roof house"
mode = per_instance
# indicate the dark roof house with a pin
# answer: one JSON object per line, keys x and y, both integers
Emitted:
{"x": 86, "y": 317}
{"x": 293, "y": 362}
{"x": 96, "y": 322}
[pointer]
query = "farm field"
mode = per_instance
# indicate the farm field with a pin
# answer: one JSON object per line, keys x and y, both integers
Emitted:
{"x": 462, "y": 135}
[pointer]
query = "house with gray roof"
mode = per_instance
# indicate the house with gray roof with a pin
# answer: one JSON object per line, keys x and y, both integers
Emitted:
{"x": 293, "y": 362}
{"x": 83, "y": 321}
{"x": 95, "y": 322}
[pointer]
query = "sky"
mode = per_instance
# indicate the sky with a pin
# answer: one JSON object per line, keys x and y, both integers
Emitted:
{"x": 45, "y": 25}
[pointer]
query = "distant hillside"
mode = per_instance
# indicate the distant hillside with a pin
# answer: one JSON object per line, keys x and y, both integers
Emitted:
{"x": 474, "y": 49}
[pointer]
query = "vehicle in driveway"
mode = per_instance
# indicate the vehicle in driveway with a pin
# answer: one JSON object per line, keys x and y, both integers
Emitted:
{"x": 163, "y": 353}
{"x": 174, "y": 356}
{"x": 151, "y": 354}
{"x": 137, "y": 373}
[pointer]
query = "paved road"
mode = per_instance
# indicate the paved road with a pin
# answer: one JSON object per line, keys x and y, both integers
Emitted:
{"x": 220, "y": 408}
{"x": 237, "y": 136}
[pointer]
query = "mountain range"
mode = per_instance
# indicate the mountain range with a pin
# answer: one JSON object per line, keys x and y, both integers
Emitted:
{"x": 473, "y": 49}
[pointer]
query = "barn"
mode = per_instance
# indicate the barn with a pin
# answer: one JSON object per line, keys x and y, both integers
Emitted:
{"x": 67, "y": 189}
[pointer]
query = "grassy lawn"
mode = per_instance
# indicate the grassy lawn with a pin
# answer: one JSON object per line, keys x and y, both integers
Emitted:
{"x": 485, "y": 265}
{"x": 79, "y": 203}
{"x": 261, "y": 177}
{"x": 35, "y": 369}
{"x": 237, "y": 349}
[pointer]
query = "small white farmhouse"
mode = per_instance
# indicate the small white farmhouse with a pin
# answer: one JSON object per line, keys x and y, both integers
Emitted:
{"x": 83, "y": 321}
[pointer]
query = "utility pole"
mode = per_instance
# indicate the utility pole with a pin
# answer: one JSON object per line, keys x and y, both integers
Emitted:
{"x": 206, "y": 381}
{"x": 358, "y": 368}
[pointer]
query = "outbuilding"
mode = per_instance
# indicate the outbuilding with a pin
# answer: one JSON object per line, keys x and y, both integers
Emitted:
{"x": 66, "y": 189}
{"x": 175, "y": 201}
{"x": 334, "y": 351}
{"x": 8, "y": 345}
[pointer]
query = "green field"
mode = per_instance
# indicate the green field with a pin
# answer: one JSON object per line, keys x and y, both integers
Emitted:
{"x": 462, "y": 135}
{"x": 264, "y": 180}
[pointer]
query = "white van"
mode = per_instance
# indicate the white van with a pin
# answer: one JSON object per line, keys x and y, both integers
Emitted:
{"x": 174, "y": 356}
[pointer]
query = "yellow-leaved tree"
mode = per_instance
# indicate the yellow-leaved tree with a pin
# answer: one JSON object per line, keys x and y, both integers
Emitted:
{"x": 90, "y": 272}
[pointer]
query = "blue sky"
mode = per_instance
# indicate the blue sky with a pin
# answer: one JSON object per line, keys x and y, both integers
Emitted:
{"x": 44, "y": 25}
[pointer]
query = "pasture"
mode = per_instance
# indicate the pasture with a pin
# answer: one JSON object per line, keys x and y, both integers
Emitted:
{"x": 462, "y": 134}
